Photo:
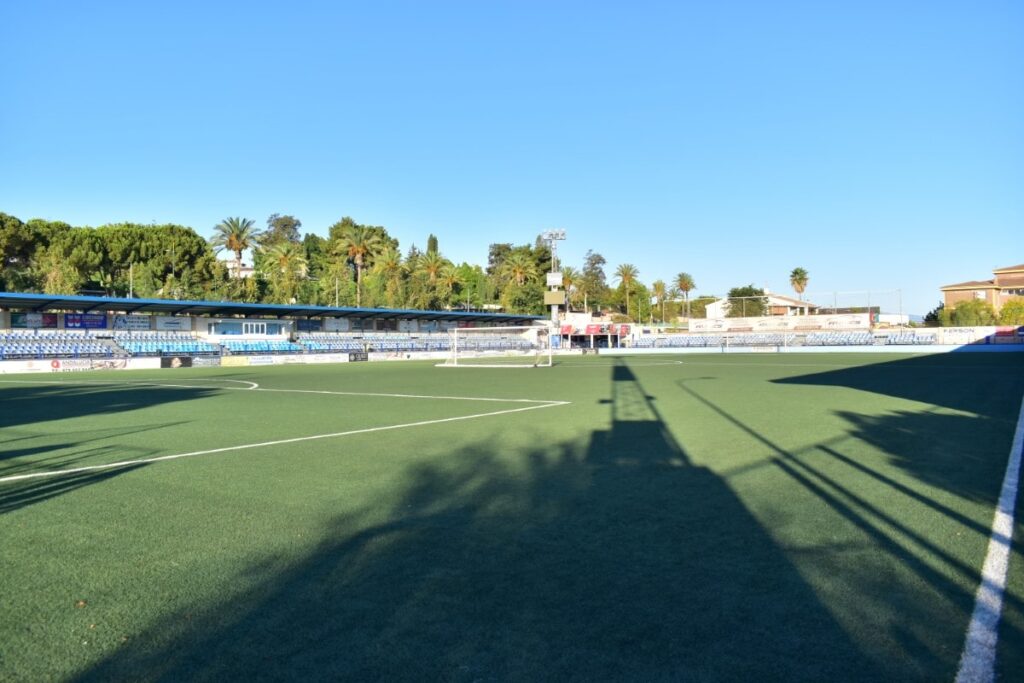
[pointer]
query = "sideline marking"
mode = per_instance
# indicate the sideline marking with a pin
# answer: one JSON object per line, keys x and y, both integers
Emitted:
{"x": 257, "y": 387}
{"x": 192, "y": 454}
{"x": 978, "y": 661}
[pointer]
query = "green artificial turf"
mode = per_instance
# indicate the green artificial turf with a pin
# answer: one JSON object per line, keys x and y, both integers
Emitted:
{"x": 726, "y": 517}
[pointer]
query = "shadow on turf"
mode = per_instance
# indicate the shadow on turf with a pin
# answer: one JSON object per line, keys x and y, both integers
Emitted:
{"x": 22, "y": 405}
{"x": 619, "y": 559}
{"x": 939, "y": 447}
{"x": 19, "y": 494}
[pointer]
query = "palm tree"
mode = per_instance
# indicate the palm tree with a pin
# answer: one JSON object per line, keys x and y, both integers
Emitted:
{"x": 359, "y": 244}
{"x": 236, "y": 235}
{"x": 570, "y": 279}
{"x": 388, "y": 265}
{"x": 626, "y": 274}
{"x": 659, "y": 289}
{"x": 685, "y": 284}
{"x": 518, "y": 266}
{"x": 430, "y": 265}
{"x": 285, "y": 264}
{"x": 450, "y": 278}
{"x": 798, "y": 278}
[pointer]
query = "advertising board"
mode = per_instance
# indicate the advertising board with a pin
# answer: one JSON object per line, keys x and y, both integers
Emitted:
{"x": 183, "y": 324}
{"x": 205, "y": 361}
{"x": 176, "y": 362}
{"x": 326, "y": 358}
{"x": 33, "y": 320}
{"x": 309, "y": 325}
{"x": 132, "y": 322}
{"x": 336, "y": 325}
{"x": 234, "y": 361}
{"x": 70, "y": 364}
{"x": 85, "y": 321}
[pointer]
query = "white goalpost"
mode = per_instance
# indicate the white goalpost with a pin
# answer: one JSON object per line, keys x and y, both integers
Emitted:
{"x": 499, "y": 347}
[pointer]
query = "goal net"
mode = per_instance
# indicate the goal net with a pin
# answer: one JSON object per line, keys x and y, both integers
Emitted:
{"x": 499, "y": 347}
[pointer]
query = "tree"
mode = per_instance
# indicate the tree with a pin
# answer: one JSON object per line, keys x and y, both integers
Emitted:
{"x": 359, "y": 244}
{"x": 518, "y": 267}
{"x": 1012, "y": 312}
{"x": 971, "y": 313}
{"x": 592, "y": 282}
{"x": 685, "y": 284}
{"x": 234, "y": 235}
{"x": 390, "y": 268}
{"x": 450, "y": 280}
{"x": 284, "y": 265}
{"x": 430, "y": 265}
{"x": 496, "y": 254}
{"x": 746, "y": 302}
{"x": 570, "y": 278}
{"x": 933, "y": 316}
{"x": 281, "y": 229}
{"x": 659, "y": 290}
{"x": 626, "y": 274}
{"x": 798, "y": 279}
{"x": 431, "y": 244}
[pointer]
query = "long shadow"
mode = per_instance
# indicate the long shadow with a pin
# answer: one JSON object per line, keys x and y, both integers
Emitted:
{"x": 24, "y": 404}
{"x": 952, "y": 452}
{"x": 944, "y": 575}
{"x": 618, "y": 559}
{"x": 16, "y": 495}
{"x": 32, "y": 440}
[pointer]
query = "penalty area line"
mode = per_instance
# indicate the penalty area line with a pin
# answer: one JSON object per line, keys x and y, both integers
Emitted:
{"x": 279, "y": 442}
{"x": 978, "y": 661}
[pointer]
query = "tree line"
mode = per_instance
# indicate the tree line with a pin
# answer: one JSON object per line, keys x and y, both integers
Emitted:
{"x": 354, "y": 265}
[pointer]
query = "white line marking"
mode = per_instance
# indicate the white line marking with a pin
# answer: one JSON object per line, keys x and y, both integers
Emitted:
{"x": 176, "y": 456}
{"x": 571, "y": 364}
{"x": 257, "y": 387}
{"x": 978, "y": 661}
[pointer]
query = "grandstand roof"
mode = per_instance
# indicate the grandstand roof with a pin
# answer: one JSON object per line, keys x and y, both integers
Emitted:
{"x": 85, "y": 304}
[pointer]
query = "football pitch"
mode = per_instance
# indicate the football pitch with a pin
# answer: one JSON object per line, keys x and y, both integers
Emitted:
{"x": 700, "y": 517}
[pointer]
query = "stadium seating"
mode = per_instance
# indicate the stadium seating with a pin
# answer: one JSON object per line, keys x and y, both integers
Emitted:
{"x": 31, "y": 344}
{"x": 688, "y": 341}
{"x": 258, "y": 347}
{"x": 839, "y": 339}
{"x": 167, "y": 347}
{"x": 910, "y": 338}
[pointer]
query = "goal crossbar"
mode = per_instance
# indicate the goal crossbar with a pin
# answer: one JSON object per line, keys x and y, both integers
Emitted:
{"x": 508, "y": 346}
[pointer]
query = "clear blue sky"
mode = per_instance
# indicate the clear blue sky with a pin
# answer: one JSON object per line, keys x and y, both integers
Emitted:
{"x": 879, "y": 145}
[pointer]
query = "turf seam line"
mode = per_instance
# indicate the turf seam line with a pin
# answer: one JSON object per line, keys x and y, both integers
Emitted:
{"x": 192, "y": 454}
{"x": 977, "y": 663}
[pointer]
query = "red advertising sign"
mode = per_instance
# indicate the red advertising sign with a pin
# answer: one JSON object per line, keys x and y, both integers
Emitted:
{"x": 567, "y": 329}
{"x": 623, "y": 330}
{"x": 593, "y": 329}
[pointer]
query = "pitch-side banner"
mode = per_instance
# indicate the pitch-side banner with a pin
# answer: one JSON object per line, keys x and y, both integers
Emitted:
{"x": 779, "y": 323}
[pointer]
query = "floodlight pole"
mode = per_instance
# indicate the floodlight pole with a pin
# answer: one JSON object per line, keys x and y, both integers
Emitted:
{"x": 552, "y": 237}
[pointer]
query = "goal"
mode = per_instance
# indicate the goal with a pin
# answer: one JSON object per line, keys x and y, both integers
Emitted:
{"x": 499, "y": 347}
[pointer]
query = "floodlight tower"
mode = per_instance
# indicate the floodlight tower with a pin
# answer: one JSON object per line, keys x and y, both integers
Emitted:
{"x": 553, "y": 237}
